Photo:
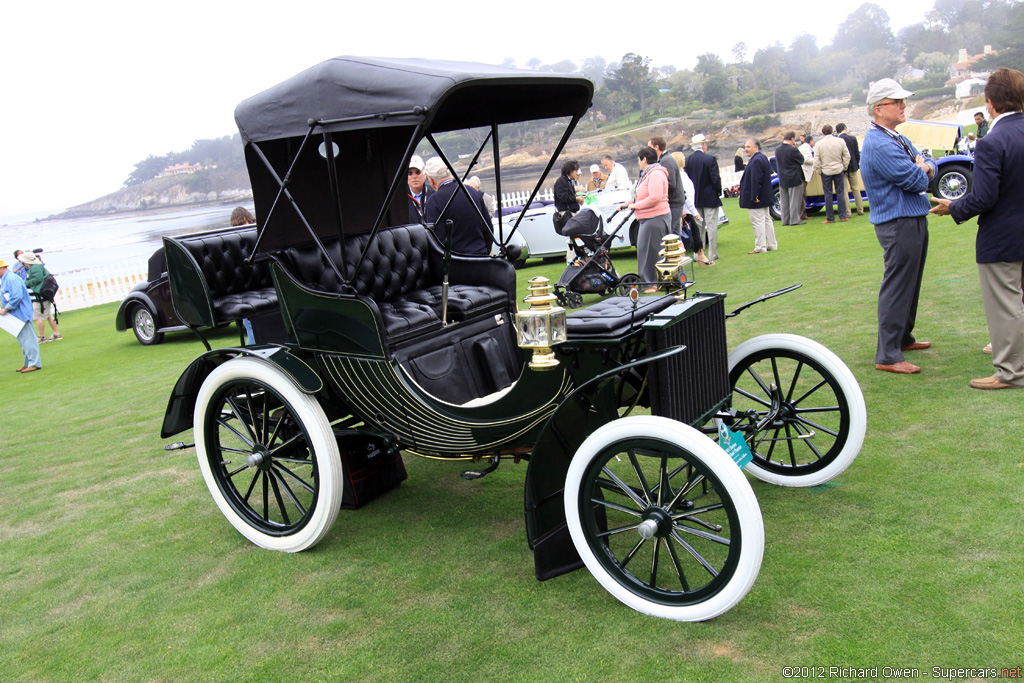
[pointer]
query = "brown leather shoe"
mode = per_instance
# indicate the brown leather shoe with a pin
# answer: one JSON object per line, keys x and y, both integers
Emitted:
{"x": 31, "y": 368}
{"x": 916, "y": 346}
{"x": 843, "y": 220}
{"x": 992, "y": 383}
{"x": 827, "y": 222}
{"x": 21, "y": 369}
{"x": 901, "y": 368}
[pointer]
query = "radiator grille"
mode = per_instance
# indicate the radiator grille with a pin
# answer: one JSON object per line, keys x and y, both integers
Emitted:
{"x": 689, "y": 385}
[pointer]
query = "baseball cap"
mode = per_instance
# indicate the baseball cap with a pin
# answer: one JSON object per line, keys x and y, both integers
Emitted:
{"x": 884, "y": 88}
{"x": 416, "y": 162}
{"x": 594, "y": 168}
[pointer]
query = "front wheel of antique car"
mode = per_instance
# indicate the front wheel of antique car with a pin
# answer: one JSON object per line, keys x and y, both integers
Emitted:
{"x": 776, "y": 208}
{"x": 664, "y": 519}
{"x": 268, "y": 455}
{"x": 799, "y": 408}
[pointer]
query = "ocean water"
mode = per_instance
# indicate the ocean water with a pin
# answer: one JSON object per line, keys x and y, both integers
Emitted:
{"x": 81, "y": 244}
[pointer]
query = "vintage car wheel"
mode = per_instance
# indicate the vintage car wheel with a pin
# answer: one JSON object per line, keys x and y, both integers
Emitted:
{"x": 776, "y": 208}
{"x": 953, "y": 182}
{"x": 799, "y": 407}
{"x": 268, "y": 455}
{"x": 144, "y": 325}
{"x": 663, "y": 519}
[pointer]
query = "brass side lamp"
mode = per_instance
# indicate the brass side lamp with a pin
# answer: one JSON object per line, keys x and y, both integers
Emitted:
{"x": 672, "y": 265}
{"x": 542, "y": 325}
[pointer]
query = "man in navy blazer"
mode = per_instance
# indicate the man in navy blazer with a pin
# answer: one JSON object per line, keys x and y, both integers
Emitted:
{"x": 996, "y": 199}
{"x": 702, "y": 169}
{"x": 757, "y": 195}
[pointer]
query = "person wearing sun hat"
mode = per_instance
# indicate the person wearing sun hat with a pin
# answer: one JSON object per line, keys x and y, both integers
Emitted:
{"x": 896, "y": 177}
{"x": 42, "y": 310}
{"x": 16, "y": 302}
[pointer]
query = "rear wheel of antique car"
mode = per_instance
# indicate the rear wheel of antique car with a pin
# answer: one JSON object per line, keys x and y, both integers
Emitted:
{"x": 268, "y": 455}
{"x": 664, "y": 519}
{"x": 953, "y": 182}
{"x": 799, "y": 408}
{"x": 144, "y": 325}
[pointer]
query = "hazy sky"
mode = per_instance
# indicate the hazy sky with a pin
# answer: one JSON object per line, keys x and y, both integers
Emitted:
{"x": 89, "y": 89}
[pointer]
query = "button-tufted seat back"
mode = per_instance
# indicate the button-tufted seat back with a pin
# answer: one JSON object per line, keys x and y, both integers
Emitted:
{"x": 400, "y": 260}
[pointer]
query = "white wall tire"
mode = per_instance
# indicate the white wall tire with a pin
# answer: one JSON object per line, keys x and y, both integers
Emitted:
{"x": 267, "y": 455}
{"x": 605, "y": 520}
{"x": 821, "y": 419}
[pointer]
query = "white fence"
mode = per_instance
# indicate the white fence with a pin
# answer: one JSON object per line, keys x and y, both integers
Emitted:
{"x": 100, "y": 285}
{"x": 517, "y": 198}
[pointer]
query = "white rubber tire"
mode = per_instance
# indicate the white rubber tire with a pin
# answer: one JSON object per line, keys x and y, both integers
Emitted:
{"x": 309, "y": 413}
{"x": 707, "y": 452}
{"x": 847, "y": 383}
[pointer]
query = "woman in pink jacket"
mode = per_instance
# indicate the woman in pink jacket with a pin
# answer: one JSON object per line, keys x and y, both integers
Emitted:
{"x": 651, "y": 207}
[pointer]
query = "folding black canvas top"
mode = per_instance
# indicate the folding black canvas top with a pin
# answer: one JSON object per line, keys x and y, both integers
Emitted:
{"x": 394, "y": 92}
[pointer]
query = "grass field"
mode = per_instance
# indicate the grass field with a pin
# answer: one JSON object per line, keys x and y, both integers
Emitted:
{"x": 115, "y": 564}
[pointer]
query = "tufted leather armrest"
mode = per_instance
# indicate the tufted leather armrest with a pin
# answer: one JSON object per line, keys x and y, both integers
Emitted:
{"x": 211, "y": 283}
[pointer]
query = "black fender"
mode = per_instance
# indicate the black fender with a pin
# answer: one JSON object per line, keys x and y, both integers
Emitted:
{"x": 589, "y": 407}
{"x": 131, "y": 298}
{"x": 181, "y": 406}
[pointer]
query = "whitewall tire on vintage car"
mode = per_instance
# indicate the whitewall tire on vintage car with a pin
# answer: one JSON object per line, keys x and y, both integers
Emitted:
{"x": 799, "y": 407}
{"x": 663, "y": 518}
{"x": 268, "y": 455}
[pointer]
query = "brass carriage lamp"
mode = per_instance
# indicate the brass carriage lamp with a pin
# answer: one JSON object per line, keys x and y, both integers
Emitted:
{"x": 671, "y": 267}
{"x": 542, "y": 325}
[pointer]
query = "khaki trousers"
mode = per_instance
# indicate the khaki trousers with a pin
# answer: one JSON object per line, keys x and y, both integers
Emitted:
{"x": 1001, "y": 292}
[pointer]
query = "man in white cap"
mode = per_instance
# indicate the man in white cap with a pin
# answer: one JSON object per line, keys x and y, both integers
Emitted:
{"x": 896, "y": 178}
{"x": 597, "y": 179}
{"x": 618, "y": 177}
{"x": 16, "y": 306}
{"x": 465, "y": 209}
{"x": 702, "y": 169}
{"x": 419, "y": 190}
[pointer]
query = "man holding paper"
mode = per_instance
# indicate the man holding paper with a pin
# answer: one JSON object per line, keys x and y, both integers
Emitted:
{"x": 16, "y": 317}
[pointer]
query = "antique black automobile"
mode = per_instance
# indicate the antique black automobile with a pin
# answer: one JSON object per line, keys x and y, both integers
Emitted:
{"x": 391, "y": 343}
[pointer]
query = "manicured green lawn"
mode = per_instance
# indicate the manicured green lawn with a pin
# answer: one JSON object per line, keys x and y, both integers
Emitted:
{"x": 115, "y": 564}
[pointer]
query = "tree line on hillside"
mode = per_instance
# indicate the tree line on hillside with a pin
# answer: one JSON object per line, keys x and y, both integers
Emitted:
{"x": 863, "y": 50}
{"x": 224, "y": 153}
{"x": 774, "y": 79}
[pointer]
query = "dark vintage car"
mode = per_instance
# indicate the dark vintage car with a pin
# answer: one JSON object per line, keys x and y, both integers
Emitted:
{"x": 376, "y": 340}
{"x": 148, "y": 309}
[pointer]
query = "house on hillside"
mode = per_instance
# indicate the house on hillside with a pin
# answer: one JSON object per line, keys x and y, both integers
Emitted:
{"x": 180, "y": 169}
{"x": 966, "y": 69}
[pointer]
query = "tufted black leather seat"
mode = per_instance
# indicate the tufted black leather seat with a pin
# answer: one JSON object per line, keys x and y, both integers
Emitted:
{"x": 221, "y": 286}
{"x": 402, "y": 275}
{"x": 614, "y": 316}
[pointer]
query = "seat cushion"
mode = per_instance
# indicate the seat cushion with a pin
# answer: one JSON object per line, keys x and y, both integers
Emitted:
{"x": 464, "y": 301}
{"x": 614, "y": 317}
{"x": 245, "y": 304}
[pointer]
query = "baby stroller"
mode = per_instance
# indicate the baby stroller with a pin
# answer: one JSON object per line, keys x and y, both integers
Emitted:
{"x": 591, "y": 271}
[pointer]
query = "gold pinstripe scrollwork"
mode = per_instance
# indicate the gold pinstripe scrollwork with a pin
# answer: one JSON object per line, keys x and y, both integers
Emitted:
{"x": 378, "y": 392}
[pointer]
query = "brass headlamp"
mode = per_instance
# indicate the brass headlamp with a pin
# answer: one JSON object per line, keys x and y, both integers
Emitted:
{"x": 542, "y": 325}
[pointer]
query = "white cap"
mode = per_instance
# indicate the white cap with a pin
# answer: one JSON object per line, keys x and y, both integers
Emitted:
{"x": 416, "y": 162}
{"x": 886, "y": 87}
{"x": 594, "y": 168}
{"x": 435, "y": 168}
